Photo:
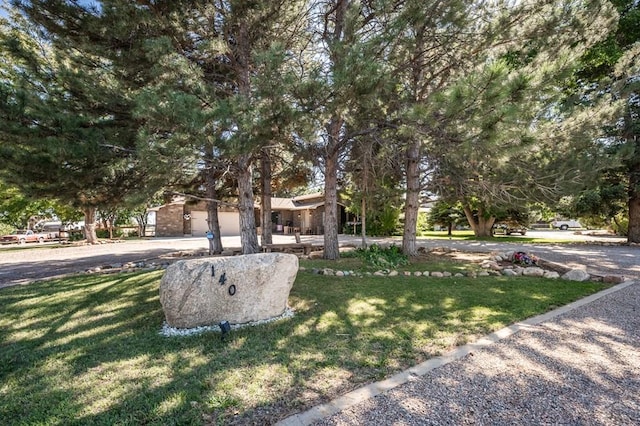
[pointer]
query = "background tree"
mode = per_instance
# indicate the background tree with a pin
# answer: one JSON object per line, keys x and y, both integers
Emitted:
{"x": 471, "y": 109}
{"x": 447, "y": 215}
{"x": 18, "y": 211}
{"x": 608, "y": 73}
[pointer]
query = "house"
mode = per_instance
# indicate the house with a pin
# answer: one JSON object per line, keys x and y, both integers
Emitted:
{"x": 304, "y": 214}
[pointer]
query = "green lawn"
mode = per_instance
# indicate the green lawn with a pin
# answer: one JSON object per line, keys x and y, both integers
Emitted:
{"x": 501, "y": 238}
{"x": 87, "y": 349}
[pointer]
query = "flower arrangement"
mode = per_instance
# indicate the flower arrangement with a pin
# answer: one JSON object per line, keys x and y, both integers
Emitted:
{"x": 523, "y": 258}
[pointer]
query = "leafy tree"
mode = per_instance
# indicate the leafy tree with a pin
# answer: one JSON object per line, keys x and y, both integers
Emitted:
{"x": 18, "y": 211}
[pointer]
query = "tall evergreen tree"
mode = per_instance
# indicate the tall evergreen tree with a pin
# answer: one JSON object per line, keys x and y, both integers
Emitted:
{"x": 67, "y": 129}
{"x": 350, "y": 46}
{"x": 190, "y": 70}
{"x": 447, "y": 45}
{"x": 608, "y": 75}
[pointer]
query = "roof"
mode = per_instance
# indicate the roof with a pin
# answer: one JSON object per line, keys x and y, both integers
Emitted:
{"x": 295, "y": 203}
{"x": 301, "y": 202}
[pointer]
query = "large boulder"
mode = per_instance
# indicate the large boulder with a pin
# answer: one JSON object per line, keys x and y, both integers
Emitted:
{"x": 237, "y": 289}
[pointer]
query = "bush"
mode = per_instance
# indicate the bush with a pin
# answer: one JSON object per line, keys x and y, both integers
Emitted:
{"x": 6, "y": 229}
{"x": 423, "y": 224}
{"x": 76, "y": 235}
{"x": 104, "y": 233}
{"x": 383, "y": 258}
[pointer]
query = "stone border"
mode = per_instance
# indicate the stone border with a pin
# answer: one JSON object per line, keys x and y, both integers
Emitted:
{"x": 498, "y": 264}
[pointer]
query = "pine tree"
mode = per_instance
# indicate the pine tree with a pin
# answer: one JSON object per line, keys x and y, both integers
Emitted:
{"x": 460, "y": 104}
{"x": 65, "y": 124}
{"x": 607, "y": 76}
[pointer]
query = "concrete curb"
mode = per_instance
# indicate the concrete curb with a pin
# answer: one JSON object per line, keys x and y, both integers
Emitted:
{"x": 354, "y": 397}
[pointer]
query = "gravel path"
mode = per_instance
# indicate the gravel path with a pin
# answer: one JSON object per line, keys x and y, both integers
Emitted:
{"x": 581, "y": 367}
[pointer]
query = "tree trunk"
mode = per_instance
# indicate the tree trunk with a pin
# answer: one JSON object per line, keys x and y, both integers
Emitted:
{"x": 483, "y": 225}
{"x": 634, "y": 207}
{"x": 90, "y": 225}
{"x": 143, "y": 220}
{"x": 210, "y": 181}
{"x": 363, "y": 225}
{"x": 412, "y": 203}
{"x": 265, "y": 179}
{"x": 331, "y": 247}
{"x": 248, "y": 234}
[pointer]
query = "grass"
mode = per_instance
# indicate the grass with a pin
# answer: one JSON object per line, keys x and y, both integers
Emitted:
{"x": 87, "y": 349}
{"x": 501, "y": 238}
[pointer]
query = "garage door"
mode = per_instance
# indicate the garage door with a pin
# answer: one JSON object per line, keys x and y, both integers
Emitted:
{"x": 229, "y": 224}
{"x": 199, "y": 225}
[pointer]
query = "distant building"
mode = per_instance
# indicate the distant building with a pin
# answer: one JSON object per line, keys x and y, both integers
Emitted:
{"x": 304, "y": 214}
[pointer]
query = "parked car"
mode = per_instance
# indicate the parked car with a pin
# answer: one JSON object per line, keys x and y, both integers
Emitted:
{"x": 565, "y": 224}
{"x": 509, "y": 228}
{"x": 23, "y": 237}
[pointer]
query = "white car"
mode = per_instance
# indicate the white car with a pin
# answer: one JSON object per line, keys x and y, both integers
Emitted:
{"x": 566, "y": 224}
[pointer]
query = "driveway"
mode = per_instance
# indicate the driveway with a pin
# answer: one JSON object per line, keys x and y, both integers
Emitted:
{"x": 24, "y": 264}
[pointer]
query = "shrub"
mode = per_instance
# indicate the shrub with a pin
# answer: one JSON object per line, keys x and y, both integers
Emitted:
{"x": 383, "y": 258}
{"x": 76, "y": 235}
{"x": 104, "y": 233}
{"x": 6, "y": 229}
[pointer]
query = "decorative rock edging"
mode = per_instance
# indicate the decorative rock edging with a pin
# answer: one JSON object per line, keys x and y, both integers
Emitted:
{"x": 127, "y": 267}
{"x": 501, "y": 264}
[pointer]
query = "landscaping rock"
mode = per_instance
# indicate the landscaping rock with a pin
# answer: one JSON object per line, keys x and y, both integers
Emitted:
{"x": 613, "y": 279}
{"x": 437, "y": 274}
{"x": 533, "y": 272}
{"x": 238, "y": 289}
{"x": 446, "y": 274}
{"x": 509, "y": 273}
{"x": 425, "y": 274}
{"x": 551, "y": 274}
{"x": 576, "y": 275}
{"x": 417, "y": 273}
{"x": 393, "y": 273}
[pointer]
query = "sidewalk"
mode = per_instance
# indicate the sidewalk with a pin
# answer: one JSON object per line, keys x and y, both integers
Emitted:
{"x": 578, "y": 365}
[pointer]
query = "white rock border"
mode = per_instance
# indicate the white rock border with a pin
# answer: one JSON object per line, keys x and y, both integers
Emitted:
{"x": 169, "y": 331}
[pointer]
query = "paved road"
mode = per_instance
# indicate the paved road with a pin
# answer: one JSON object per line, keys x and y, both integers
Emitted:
{"x": 19, "y": 266}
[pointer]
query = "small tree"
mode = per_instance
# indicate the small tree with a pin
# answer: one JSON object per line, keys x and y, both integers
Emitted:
{"x": 447, "y": 215}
